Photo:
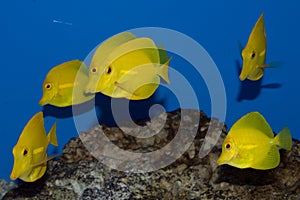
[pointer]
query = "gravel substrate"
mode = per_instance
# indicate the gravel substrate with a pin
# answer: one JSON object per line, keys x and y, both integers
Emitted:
{"x": 79, "y": 175}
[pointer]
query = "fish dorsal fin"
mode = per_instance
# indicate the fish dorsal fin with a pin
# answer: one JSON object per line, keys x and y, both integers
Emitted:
{"x": 109, "y": 45}
{"x": 36, "y": 120}
{"x": 52, "y": 135}
{"x": 35, "y": 123}
{"x": 257, "y": 37}
{"x": 253, "y": 120}
{"x": 133, "y": 45}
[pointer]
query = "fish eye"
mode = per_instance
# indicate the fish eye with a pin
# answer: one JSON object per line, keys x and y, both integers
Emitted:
{"x": 25, "y": 152}
{"x": 48, "y": 86}
{"x": 94, "y": 70}
{"x": 253, "y": 55}
{"x": 228, "y": 146}
{"x": 108, "y": 70}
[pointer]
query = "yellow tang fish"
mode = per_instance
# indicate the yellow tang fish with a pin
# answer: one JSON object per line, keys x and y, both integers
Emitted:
{"x": 132, "y": 70}
{"x": 101, "y": 54}
{"x": 64, "y": 85}
{"x": 251, "y": 144}
{"x": 30, "y": 156}
{"x": 254, "y": 54}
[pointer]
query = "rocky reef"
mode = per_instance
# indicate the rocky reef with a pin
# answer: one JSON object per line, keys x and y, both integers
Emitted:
{"x": 77, "y": 174}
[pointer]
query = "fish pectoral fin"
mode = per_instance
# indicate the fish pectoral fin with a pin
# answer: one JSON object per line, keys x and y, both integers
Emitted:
{"x": 271, "y": 65}
{"x": 123, "y": 87}
{"x": 242, "y": 160}
{"x": 44, "y": 160}
{"x": 265, "y": 66}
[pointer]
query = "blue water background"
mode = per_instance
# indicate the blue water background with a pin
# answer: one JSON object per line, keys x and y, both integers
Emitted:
{"x": 32, "y": 42}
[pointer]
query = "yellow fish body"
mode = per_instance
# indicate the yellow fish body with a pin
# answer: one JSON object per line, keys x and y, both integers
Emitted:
{"x": 254, "y": 54}
{"x": 101, "y": 54}
{"x": 131, "y": 71}
{"x": 30, "y": 156}
{"x": 64, "y": 85}
{"x": 251, "y": 144}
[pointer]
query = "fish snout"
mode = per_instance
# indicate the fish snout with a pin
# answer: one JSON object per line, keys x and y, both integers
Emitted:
{"x": 16, "y": 171}
{"x": 43, "y": 101}
{"x": 13, "y": 176}
{"x": 90, "y": 88}
{"x": 219, "y": 162}
{"x": 89, "y": 91}
{"x": 222, "y": 160}
{"x": 245, "y": 72}
{"x": 242, "y": 78}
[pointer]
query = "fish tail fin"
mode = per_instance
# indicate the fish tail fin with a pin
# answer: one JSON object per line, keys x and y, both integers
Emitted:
{"x": 164, "y": 71}
{"x": 163, "y": 56}
{"x": 164, "y": 62}
{"x": 284, "y": 139}
{"x": 52, "y": 135}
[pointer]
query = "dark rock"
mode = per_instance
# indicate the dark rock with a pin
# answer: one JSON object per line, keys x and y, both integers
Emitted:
{"x": 77, "y": 174}
{"x": 5, "y": 186}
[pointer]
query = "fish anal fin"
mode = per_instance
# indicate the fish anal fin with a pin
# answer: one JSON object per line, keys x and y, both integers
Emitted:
{"x": 256, "y": 74}
{"x": 35, "y": 174}
{"x": 269, "y": 161}
{"x": 141, "y": 92}
{"x": 39, "y": 172}
{"x": 145, "y": 91}
{"x": 253, "y": 120}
